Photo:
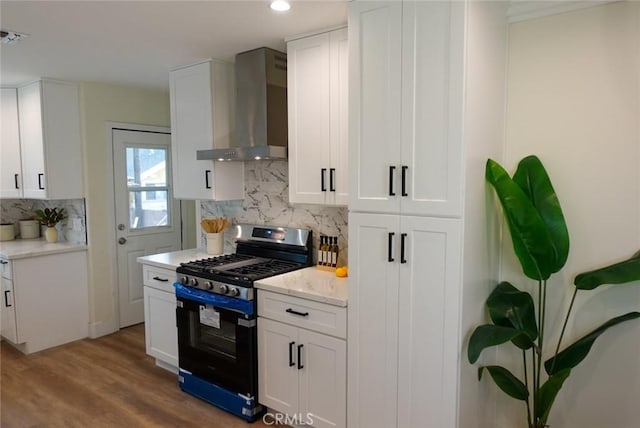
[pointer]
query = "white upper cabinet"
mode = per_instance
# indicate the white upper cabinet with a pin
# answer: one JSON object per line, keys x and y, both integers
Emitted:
{"x": 202, "y": 112}
{"x": 50, "y": 142}
{"x": 317, "y": 106}
{"x": 405, "y": 107}
{"x": 10, "y": 169}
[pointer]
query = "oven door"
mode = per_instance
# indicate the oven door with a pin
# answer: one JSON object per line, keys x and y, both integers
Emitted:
{"x": 217, "y": 339}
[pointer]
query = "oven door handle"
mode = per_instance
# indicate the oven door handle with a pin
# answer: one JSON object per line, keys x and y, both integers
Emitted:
{"x": 291, "y": 362}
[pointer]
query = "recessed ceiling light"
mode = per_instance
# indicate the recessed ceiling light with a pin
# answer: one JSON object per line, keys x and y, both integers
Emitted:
{"x": 280, "y": 5}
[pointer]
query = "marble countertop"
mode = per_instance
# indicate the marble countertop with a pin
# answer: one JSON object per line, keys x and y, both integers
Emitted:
{"x": 309, "y": 283}
{"x": 24, "y": 248}
{"x": 173, "y": 259}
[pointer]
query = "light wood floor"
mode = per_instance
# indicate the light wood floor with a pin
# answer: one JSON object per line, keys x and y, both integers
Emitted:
{"x": 105, "y": 382}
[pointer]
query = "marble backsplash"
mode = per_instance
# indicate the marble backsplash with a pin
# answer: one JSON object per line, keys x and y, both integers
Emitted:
{"x": 72, "y": 229}
{"x": 266, "y": 202}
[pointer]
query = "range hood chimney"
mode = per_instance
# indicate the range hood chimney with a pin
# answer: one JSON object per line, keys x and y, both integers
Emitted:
{"x": 261, "y": 108}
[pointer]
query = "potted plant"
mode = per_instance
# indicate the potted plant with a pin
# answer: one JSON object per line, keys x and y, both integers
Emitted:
{"x": 50, "y": 217}
{"x": 541, "y": 243}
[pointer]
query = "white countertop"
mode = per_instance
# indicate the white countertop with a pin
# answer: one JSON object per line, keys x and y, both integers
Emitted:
{"x": 173, "y": 259}
{"x": 309, "y": 283}
{"x": 24, "y": 248}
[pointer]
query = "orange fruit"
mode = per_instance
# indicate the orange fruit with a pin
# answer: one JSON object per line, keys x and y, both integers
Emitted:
{"x": 342, "y": 272}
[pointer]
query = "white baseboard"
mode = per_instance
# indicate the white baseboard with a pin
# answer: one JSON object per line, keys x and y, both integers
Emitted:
{"x": 102, "y": 328}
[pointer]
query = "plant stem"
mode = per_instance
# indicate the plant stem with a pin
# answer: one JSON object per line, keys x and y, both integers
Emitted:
{"x": 543, "y": 308}
{"x": 526, "y": 383}
{"x": 535, "y": 385}
{"x": 564, "y": 326}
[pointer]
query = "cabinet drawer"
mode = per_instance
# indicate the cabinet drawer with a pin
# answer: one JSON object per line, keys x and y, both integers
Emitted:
{"x": 159, "y": 278}
{"x": 303, "y": 313}
{"x": 5, "y": 268}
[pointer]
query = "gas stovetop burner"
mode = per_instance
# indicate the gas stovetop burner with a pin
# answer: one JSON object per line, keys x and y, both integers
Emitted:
{"x": 261, "y": 252}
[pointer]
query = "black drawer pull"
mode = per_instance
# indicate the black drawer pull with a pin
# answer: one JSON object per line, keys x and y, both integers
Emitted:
{"x": 157, "y": 278}
{"x": 404, "y": 180}
{"x": 40, "y": 185}
{"x": 15, "y": 179}
{"x": 300, "y": 366}
{"x": 390, "y": 247}
{"x": 403, "y": 236}
{"x": 207, "y": 185}
{"x": 6, "y": 299}
{"x": 392, "y": 170}
{"x": 291, "y": 362}
{"x": 302, "y": 314}
{"x": 323, "y": 185}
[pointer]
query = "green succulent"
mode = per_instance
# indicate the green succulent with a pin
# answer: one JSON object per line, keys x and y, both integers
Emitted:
{"x": 50, "y": 216}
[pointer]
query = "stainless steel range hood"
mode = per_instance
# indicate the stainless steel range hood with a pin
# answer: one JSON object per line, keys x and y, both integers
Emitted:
{"x": 261, "y": 108}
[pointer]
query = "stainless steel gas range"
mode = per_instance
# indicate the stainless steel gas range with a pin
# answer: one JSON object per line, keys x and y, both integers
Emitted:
{"x": 216, "y": 314}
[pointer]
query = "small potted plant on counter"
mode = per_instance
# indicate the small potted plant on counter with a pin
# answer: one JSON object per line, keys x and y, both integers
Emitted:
{"x": 50, "y": 217}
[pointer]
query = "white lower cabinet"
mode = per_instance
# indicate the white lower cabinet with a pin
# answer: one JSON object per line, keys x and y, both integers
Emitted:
{"x": 45, "y": 300}
{"x": 302, "y": 373}
{"x": 161, "y": 334}
{"x": 403, "y": 320}
{"x": 8, "y": 311}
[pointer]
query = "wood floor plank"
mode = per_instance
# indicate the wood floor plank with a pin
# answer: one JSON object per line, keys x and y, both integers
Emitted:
{"x": 105, "y": 382}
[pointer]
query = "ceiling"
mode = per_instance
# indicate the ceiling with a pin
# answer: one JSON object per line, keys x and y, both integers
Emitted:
{"x": 136, "y": 43}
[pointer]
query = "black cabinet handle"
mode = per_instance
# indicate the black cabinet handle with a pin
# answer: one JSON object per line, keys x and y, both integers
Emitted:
{"x": 300, "y": 366}
{"x": 40, "y": 186}
{"x": 6, "y": 300}
{"x": 323, "y": 173}
{"x": 207, "y": 173}
{"x": 157, "y": 278}
{"x": 392, "y": 170}
{"x": 15, "y": 179}
{"x": 403, "y": 236}
{"x": 390, "y": 247}
{"x": 302, "y": 314}
{"x": 404, "y": 180}
{"x": 291, "y": 362}
{"x": 332, "y": 184}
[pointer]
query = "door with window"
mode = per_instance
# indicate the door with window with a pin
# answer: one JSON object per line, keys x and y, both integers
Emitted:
{"x": 147, "y": 216}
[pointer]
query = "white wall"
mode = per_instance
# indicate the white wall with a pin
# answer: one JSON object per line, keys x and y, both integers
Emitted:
{"x": 101, "y": 103}
{"x": 484, "y": 137}
{"x": 573, "y": 100}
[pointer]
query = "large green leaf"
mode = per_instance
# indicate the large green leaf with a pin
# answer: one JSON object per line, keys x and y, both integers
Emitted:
{"x": 573, "y": 355}
{"x": 489, "y": 335}
{"x": 547, "y": 394}
{"x": 533, "y": 179}
{"x": 617, "y": 273}
{"x": 531, "y": 239}
{"x": 510, "y": 307}
{"x": 506, "y": 381}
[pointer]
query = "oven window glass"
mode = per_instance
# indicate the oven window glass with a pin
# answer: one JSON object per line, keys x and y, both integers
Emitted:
{"x": 213, "y": 332}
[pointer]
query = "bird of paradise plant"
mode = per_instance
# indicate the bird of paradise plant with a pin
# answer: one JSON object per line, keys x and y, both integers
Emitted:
{"x": 541, "y": 243}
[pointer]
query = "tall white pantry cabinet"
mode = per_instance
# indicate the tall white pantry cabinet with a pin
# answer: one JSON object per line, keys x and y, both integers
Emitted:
{"x": 419, "y": 135}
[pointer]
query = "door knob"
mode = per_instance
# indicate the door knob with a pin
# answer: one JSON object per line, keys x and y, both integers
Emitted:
{"x": 122, "y": 241}
{"x": 121, "y": 226}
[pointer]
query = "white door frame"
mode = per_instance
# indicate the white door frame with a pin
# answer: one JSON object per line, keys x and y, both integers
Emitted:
{"x": 111, "y": 214}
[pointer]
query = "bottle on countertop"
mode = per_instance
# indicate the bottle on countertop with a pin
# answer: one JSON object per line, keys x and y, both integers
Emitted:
{"x": 334, "y": 252}
{"x": 320, "y": 250}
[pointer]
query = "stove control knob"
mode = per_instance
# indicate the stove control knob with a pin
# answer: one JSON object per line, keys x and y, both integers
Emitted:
{"x": 208, "y": 285}
{"x": 184, "y": 280}
{"x": 234, "y": 292}
{"x": 224, "y": 289}
{"x": 193, "y": 282}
